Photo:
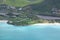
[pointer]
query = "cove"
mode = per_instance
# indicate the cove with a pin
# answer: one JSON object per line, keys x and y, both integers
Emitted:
{"x": 31, "y": 32}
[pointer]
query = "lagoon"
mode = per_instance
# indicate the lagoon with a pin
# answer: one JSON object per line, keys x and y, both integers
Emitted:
{"x": 31, "y": 32}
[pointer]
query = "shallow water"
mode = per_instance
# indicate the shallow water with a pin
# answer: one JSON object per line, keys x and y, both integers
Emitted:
{"x": 32, "y": 32}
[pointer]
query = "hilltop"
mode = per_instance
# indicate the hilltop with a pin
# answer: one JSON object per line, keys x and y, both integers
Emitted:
{"x": 19, "y": 3}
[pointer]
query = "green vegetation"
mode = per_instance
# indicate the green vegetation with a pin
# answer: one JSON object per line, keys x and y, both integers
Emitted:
{"x": 31, "y": 8}
{"x": 19, "y": 3}
{"x": 1, "y": 17}
{"x": 45, "y": 8}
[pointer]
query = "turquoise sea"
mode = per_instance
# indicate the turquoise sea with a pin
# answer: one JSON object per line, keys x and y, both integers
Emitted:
{"x": 31, "y": 32}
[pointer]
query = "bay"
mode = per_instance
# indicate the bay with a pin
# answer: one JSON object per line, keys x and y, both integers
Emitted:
{"x": 31, "y": 32}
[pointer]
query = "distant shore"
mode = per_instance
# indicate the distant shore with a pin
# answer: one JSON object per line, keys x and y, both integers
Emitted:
{"x": 47, "y": 24}
{"x": 3, "y": 20}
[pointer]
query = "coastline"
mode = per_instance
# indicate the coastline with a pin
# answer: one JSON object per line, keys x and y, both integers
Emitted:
{"x": 5, "y": 21}
{"x": 47, "y": 24}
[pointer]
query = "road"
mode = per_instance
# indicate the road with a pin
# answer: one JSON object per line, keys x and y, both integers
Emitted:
{"x": 48, "y": 17}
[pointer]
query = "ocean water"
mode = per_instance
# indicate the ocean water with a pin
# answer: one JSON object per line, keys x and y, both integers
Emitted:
{"x": 32, "y": 32}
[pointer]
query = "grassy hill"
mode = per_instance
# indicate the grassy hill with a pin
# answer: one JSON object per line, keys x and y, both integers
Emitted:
{"x": 45, "y": 7}
{"x": 19, "y": 3}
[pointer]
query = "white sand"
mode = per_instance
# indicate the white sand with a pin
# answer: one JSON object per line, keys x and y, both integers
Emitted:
{"x": 3, "y": 20}
{"x": 47, "y": 24}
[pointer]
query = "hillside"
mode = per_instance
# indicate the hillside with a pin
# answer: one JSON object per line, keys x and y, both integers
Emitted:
{"x": 19, "y": 3}
{"x": 49, "y": 9}
{"x": 46, "y": 7}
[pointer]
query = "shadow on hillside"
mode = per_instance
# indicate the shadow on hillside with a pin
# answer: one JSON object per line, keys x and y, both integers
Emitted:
{"x": 46, "y": 5}
{"x": 44, "y": 8}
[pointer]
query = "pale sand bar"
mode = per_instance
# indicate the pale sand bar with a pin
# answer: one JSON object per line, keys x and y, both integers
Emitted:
{"x": 3, "y": 20}
{"x": 47, "y": 24}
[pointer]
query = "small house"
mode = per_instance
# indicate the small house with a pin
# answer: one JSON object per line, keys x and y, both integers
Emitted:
{"x": 55, "y": 11}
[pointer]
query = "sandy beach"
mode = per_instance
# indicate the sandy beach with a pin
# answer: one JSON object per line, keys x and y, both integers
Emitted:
{"x": 47, "y": 24}
{"x": 3, "y": 20}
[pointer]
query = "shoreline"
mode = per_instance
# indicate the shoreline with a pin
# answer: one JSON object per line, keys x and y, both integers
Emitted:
{"x": 46, "y": 24}
{"x": 4, "y": 21}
